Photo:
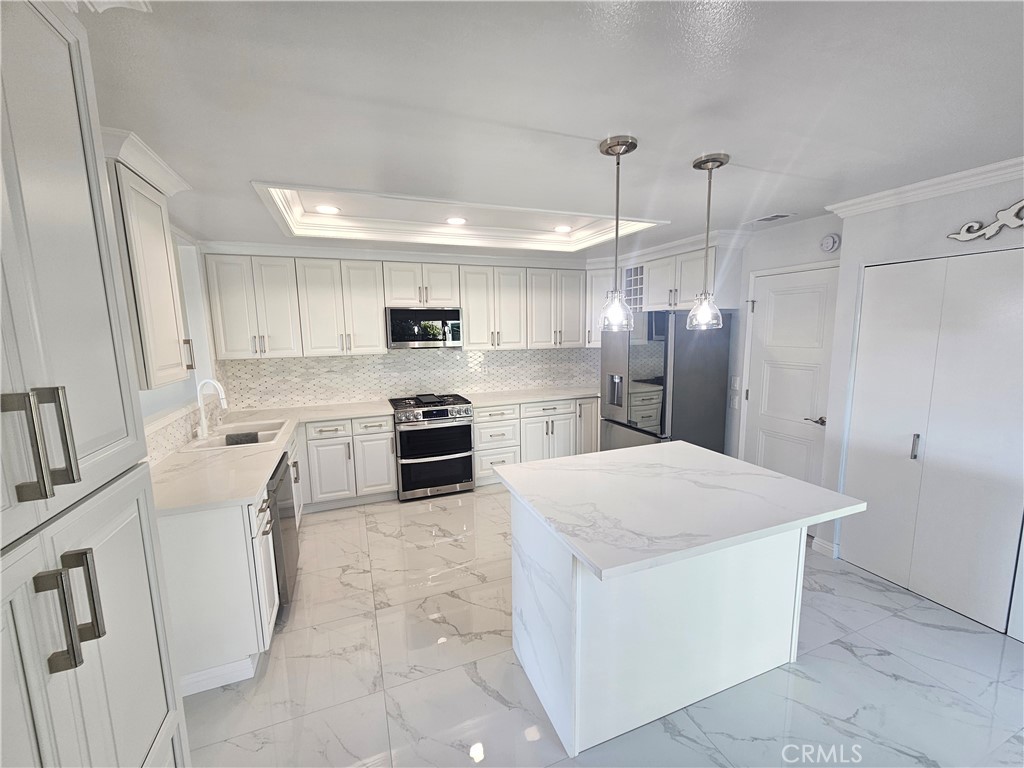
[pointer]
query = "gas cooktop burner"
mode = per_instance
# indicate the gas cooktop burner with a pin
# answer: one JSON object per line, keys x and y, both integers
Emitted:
{"x": 427, "y": 401}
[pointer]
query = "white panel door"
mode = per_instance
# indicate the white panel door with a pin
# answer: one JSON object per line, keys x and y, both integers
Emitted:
{"x": 376, "y": 467}
{"x": 232, "y": 306}
{"x": 478, "y": 307}
{"x": 599, "y": 282}
{"x": 563, "y": 435}
{"x": 790, "y": 356}
{"x": 972, "y": 489}
{"x": 572, "y": 308}
{"x": 659, "y": 284}
{"x": 403, "y": 284}
{"x": 510, "y": 307}
{"x": 1015, "y": 626}
{"x": 363, "y": 282}
{"x": 587, "y": 426}
{"x": 541, "y": 308}
{"x": 277, "y": 307}
{"x": 321, "y": 307}
{"x": 331, "y": 469}
{"x": 265, "y": 570}
{"x": 441, "y": 285}
{"x": 690, "y": 277}
{"x": 534, "y": 438}
{"x": 899, "y": 333}
{"x": 155, "y": 303}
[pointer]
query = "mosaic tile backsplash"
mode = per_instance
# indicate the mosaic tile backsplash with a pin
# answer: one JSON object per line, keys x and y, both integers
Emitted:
{"x": 324, "y": 380}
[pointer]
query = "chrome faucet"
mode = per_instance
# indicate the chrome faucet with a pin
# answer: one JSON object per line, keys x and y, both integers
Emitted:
{"x": 203, "y": 430}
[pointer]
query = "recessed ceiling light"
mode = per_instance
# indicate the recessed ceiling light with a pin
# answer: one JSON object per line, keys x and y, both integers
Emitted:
{"x": 456, "y": 221}
{"x": 563, "y": 229}
{"x": 330, "y": 210}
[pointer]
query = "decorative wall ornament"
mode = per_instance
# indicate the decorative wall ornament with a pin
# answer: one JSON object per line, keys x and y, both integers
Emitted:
{"x": 1008, "y": 217}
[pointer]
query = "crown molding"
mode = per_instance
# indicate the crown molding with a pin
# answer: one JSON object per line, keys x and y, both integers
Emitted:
{"x": 126, "y": 147}
{"x": 985, "y": 176}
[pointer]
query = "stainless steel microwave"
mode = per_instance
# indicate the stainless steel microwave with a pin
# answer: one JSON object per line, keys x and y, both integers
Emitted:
{"x": 424, "y": 328}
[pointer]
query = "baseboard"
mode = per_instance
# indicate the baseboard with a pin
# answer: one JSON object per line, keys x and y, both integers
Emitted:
{"x": 215, "y": 677}
{"x": 823, "y": 547}
{"x": 353, "y": 501}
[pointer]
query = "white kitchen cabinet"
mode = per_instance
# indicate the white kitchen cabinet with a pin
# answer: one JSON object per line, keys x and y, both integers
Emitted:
{"x": 548, "y": 437}
{"x": 277, "y": 307}
{"x": 421, "y": 285}
{"x": 660, "y": 284}
{"x": 477, "y": 307}
{"x": 934, "y": 444}
{"x": 332, "y": 473}
{"x": 487, "y": 461}
{"x": 265, "y": 571}
{"x": 321, "y": 307}
{"x": 375, "y": 465}
{"x": 599, "y": 282}
{"x": 151, "y": 270}
{"x": 563, "y": 435}
{"x": 572, "y": 308}
{"x": 296, "y": 450}
{"x": 556, "y": 308}
{"x": 363, "y": 284}
{"x": 510, "y": 307}
{"x": 493, "y": 307}
{"x": 62, "y": 315}
{"x": 441, "y": 285}
{"x": 588, "y": 417}
{"x": 673, "y": 282}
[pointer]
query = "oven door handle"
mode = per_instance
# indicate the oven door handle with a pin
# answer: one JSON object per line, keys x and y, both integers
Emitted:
{"x": 436, "y": 458}
{"x": 454, "y": 421}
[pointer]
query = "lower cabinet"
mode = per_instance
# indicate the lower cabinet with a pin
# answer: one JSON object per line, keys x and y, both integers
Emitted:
{"x": 548, "y": 437}
{"x": 332, "y": 473}
{"x": 349, "y": 458}
{"x": 375, "y": 464}
{"x": 487, "y": 461}
{"x": 588, "y": 418}
{"x": 265, "y": 570}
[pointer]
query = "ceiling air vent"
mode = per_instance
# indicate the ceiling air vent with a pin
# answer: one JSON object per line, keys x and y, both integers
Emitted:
{"x": 773, "y": 217}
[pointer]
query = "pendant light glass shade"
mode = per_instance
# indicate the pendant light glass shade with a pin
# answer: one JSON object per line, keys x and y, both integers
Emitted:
{"x": 705, "y": 315}
{"x": 616, "y": 314}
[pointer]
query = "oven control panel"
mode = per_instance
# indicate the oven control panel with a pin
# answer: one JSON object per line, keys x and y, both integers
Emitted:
{"x": 432, "y": 414}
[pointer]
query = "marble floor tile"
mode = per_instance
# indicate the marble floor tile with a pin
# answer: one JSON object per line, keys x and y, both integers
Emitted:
{"x": 851, "y": 697}
{"x": 1010, "y": 753}
{"x": 671, "y": 742}
{"x": 482, "y": 713}
{"x": 436, "y": 633}
{"x": 354, "y": 734}
{"x": 333, "y": 544}
{"x": 307, "y": 670}
{"x": 328, "y": 595}
{"x": 818, "y": 628}
{"x": 972, "y": 659}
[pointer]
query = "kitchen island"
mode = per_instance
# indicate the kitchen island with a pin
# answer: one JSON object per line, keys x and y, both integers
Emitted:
{"x": 646, "y": 579}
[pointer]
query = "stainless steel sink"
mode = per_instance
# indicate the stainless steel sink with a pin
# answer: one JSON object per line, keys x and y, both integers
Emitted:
{"x": 266, "y": 431}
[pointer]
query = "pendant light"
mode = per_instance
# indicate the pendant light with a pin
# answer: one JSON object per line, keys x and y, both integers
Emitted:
{"x": 705, "y": 315}
{"x": 616, "y": 314}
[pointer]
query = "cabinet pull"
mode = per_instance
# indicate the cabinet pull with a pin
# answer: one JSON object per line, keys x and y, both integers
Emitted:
{"x": 550, "y": 408}
{"x": 499, "y": 338}
{"x": 371, "y": 426}
{"x": 419, "y": 294}
{"x": 42, "y": 486}
{"x": 268, "y": 527}
{"x": 499, "y": 434}
{"x": 321, "y": 430}
{"x": 915, "y": 444}
{"x": 60, "y": 581}
{"x": 341, "y": 342}
{"x": 497, "y": 462}
{"x": 579, "y": 411}
{"x": 348, "y": 451}
{"x": 552, "y": 427}
{"x": 426, "y": 294}
{"x": 254, "y": 350}
{"x": 670, "y": 297}
{"x": 58, "y": 398}
{"x": 295, "y": 472}
{"x": 561, "y": 338}
{"x": 498, "y": 413}
{"x": 492, "y": 339}
{"x": 392, "y": 445}
{"x": 547, "y": 427}
{"x": 191, "y": 364}
{"x": 588, "y": 335}
{"x": 263, "y": 344}
{"x": 348, "y": 337}
{"x": 83, "y": 558}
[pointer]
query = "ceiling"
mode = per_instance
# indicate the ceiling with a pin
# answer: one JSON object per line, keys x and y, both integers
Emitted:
{"x": 504, "y": 104}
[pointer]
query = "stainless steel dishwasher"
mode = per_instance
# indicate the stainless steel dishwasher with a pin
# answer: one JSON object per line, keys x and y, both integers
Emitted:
{"x": 286, "y": 536}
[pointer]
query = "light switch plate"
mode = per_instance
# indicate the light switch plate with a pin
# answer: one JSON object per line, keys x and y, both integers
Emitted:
{"x": 734, "y": 402}
{"x": 734, "y": 383}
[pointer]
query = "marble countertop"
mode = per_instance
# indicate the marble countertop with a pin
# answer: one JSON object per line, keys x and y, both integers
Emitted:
{"x": 511, "y": 397}
{"x": 637, "y": 508}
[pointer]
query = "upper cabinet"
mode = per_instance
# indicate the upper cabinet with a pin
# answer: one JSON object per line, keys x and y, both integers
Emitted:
{"x": 673, "y": 282}
{"x": 421, "y": 285}
{"x": 493, "y": 307}
{"x": 599, "y": 282}
{"x": 556, "y": 305}
{"x": 341, "y": 307}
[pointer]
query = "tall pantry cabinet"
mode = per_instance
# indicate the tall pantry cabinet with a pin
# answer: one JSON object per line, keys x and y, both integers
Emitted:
{"x": 935, "y": 434}
{"x": 83, "y": 647}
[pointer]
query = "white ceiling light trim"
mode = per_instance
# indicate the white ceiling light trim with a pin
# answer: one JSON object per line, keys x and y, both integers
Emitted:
{"x": 526, "y": 229}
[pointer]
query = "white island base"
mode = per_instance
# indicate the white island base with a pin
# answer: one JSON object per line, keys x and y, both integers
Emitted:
{"x": 605, "y": 657}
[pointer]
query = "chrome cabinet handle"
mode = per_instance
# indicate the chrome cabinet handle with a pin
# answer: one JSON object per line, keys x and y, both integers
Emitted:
{"x": 295, "y": 472}
{"x": 341, "y": 342}
{"x": 499, "y": 434}
{"x": 561, "y": 338}
{"x": 321, "y": 430}
{"x": 42, "y": 486}
{"x": 419, "y": 294}
{"x": 254, "y": 350}
{"x": 579, "y": 411}
{"x": 348, "y": 451}
{"x": 268, "y": 527}
{"x": 552, "y": 427}
{"x": 499, "y": 338}
{"x": 915, "y": 444}
{"x": 263, "y": 344}
{"x": 492, "y": 339}
{"x": 370, "y": 426}
{"x": 349, "y": 337}
{"x": 83, "y": 558}
{"x": 550, "y": 408}
{"x": 58, "y": 397}
{"x": 588, "y": 335}
{"x": 191, "y": 364}
{"x": 497, "y": 462}
{"x": 426, "y": 294}
{"x": 547, "y": 427}
{"x": 60, "y": 581}
{"x": 392, "y": 446}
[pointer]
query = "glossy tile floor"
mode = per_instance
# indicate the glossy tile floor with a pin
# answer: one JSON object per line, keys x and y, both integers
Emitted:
{"x": 397, "y": 651}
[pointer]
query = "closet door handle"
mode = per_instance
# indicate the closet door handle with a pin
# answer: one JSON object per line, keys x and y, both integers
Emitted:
{"x": 42, "y": 486}
{"x": 915, "y": 444}
{"x": 58, "y": 398}
{"x": 59, "y": 581}
{"x": 83, "y": 558}
{"x": 191, "y": 364}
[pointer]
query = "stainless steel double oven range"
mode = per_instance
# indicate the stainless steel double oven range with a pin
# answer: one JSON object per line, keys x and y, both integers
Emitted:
{"x": 434, "y": 435}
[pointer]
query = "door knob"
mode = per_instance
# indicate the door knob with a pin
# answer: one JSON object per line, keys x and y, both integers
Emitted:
{"x": 819, "y": 421}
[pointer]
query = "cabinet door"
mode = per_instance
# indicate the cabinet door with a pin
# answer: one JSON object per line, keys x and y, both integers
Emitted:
{"x": 363, "y": 282}
{"x": 541, "y": 308}
{"x": 65, "y": 290}
{"x": 331, "y": 470}
{"x": 660, "y": 284}
{"x": 487, "y": 461}
{"x": 265, "y": 571}
{"x": 563, "y": 436}
{"x": 587, "y": 421}
{"x": 690, "y": 277}
{"x": 534, "y": 438}
{"x": 403, "y": 284}
{"x": 899, "y": 330}
{"x": 232, "y": 306}
{"x": 572, "y": 308}
{"x": 510, "y": 307}
{"x": 277, "y": 307}
{"x": 441, "y": 285}
{"x": 124, "y": 682}
{"x": 376, "y": 468}
{"x": 477, "y": 307}
{"x": 973, "y": 453}
{"x": 154, "y": 304}
{"x": 599, "y": 282}
{"x": 321, "y": 307}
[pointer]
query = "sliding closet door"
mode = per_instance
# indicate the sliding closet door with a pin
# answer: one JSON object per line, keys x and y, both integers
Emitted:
{"x": 899, "y": 332}
{"x": 972, "y": 490}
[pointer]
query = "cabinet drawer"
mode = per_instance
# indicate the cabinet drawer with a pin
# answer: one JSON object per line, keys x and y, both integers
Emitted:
{"x": 486, "y": 461}
{"x": 497, "y": 434}
{"x": 548, "y": 408}
{"x": 257, "y": 513}
{"x": 641, "y": 399}
{"x": 321, "y": 430}
{"x": 646, "y": 416}
{"x": 373, "y": 424}
{"x": 496, "y": 413}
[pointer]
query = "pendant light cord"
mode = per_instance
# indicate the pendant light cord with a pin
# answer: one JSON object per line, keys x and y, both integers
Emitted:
{"x": 618, "y": 160}
{"x": 707, "y": 234}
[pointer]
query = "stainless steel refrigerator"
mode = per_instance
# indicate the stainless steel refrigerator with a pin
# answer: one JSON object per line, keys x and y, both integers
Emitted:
{"x": 662, "y": 382}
